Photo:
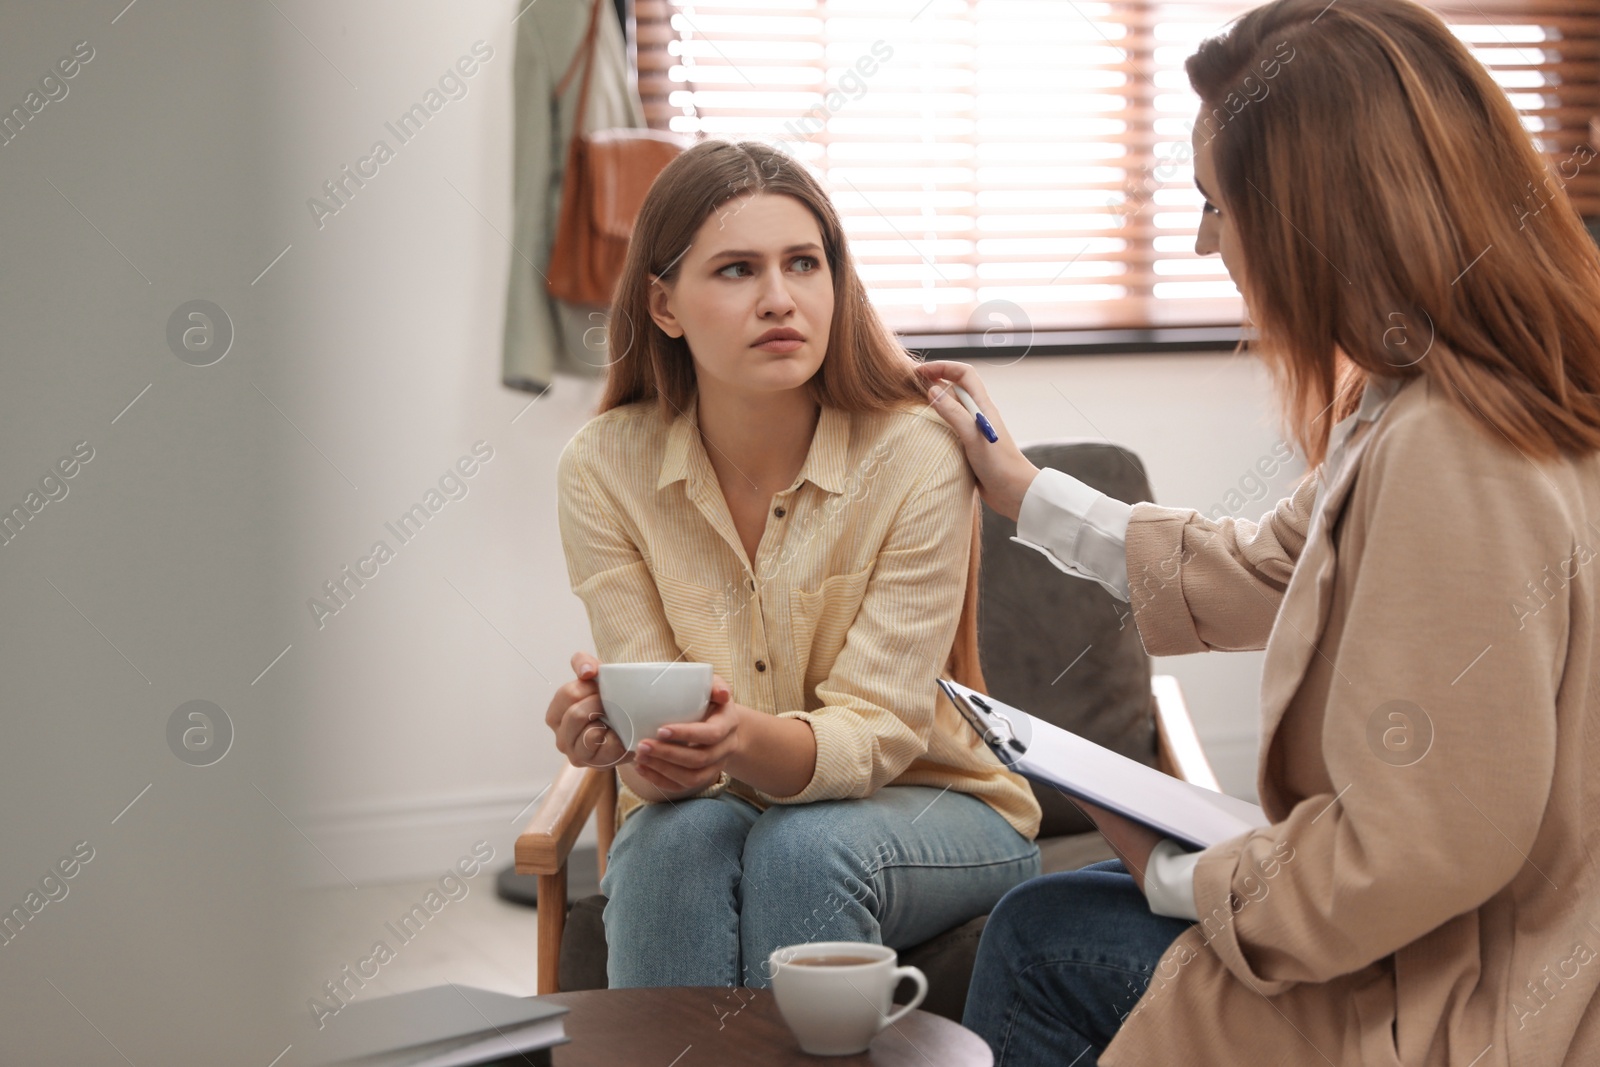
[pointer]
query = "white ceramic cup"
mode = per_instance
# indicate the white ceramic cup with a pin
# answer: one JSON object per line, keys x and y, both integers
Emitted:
{"x": 836, "y": 1010}
{"x": 641, "y": 698}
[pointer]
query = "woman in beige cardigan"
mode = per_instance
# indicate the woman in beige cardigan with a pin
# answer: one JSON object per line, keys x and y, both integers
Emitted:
{"x": 1428, "y": 890}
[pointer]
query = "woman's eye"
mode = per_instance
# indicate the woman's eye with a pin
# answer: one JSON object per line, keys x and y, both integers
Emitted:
{"x": 804, "y": 264}
{"x": 1210, "y": 209}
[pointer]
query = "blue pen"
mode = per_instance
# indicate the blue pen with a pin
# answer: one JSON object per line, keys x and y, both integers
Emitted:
{"x": 983, "y": 423}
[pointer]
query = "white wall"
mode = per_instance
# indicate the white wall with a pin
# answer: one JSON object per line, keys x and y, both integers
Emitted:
{"x": 423, "y": 698}
{"x": 420, "y": 701}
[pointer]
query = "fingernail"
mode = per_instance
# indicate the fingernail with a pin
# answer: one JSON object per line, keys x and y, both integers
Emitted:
{"x": 644, "y": 748}
{"x": 665, "y": 731}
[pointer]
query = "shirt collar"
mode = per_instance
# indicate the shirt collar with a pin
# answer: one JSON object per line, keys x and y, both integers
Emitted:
{"x": 825, "y": 461}
{"x": 683, "y": 441}
{"x": 1375, "y": 396}
{"x": 685, "y": 456}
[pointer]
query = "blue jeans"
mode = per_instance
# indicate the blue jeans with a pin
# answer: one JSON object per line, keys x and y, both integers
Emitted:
{"x": 1062, "y": 961}
{"x": 702, "y": 891}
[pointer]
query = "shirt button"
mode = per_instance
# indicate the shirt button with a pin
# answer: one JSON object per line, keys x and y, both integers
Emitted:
{"x": 761, "y": 664}
{"x": 778, "y": 512}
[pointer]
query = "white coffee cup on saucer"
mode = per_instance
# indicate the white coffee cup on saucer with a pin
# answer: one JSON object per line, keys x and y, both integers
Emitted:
{"x": 837, "y": 996}
{"x": 640, "y": 698}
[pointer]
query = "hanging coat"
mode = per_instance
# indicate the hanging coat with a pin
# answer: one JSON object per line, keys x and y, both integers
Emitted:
{"x": 544, "y": 336}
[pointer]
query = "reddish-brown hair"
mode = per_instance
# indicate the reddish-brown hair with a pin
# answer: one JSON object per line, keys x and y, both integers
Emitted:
{"x": 1381, "y": 185}
{"x": 865, "y": 368}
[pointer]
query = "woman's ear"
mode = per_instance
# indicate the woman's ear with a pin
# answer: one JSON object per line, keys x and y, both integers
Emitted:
{"x": 660, "y": 310}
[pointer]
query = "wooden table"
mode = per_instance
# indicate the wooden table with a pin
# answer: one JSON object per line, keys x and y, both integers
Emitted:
{"x": 690, "y": 1027}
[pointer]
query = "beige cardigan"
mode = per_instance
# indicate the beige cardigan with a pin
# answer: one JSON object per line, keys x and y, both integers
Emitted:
{"x": 1428, "y": 890}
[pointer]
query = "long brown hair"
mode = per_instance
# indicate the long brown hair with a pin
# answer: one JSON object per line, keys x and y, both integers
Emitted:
{"x": 1382, "y": 188}
{"x": 865, "y": 368}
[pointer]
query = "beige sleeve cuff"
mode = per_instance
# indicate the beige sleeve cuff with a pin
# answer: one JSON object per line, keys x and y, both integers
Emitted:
{"x": 1156, "y": 558}
{"x": 837, "y": 751}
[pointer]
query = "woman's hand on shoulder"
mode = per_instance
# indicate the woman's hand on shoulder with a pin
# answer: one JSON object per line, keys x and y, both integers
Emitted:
{"x": 684, "y": 758}
{"x": 1003, "y": 472}
{"x": 575, "y": 717}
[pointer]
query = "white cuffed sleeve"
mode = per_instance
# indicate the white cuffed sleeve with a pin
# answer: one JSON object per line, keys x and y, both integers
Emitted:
{"x": 1169, "y": 881}
{"x": 1081, "y": 530}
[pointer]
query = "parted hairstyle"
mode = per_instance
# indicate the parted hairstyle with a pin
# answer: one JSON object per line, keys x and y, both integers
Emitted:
{"x": 1390, "y": 206}
{"x": 865, "y": 368}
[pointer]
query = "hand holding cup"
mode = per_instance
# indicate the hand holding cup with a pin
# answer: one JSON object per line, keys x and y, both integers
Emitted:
{"x": 673, "y": 721}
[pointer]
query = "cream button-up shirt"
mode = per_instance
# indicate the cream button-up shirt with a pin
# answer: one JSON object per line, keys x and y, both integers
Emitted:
{"x": 844, "y": 618}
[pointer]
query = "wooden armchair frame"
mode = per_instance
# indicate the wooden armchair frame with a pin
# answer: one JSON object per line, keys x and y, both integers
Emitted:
{"x": 546, "y": 842}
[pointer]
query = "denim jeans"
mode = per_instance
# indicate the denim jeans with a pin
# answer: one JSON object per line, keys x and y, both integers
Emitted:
{"x": 702, "y": 891}
{"x": 1062, "y": 961}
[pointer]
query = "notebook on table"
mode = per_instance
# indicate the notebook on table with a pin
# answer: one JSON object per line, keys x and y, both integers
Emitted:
{"x": 1045, "y": 753}
{"x": 442, "y": 1026}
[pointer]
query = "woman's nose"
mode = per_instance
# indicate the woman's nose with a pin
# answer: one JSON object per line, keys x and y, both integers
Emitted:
{"x": 1205, "y": 239}
{"x": 775, "y": 296}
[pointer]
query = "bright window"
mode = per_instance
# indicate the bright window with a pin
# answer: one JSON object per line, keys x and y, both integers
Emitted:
{"x": 992, "y": 157}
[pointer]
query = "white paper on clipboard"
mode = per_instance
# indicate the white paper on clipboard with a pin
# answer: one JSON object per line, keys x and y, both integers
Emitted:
{"x": 1043, "y": 752}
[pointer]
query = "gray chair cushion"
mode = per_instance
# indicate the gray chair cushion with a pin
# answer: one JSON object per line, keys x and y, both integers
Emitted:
{"x": 1035, "y": 623}
{"x": 583, "y": 946}
{"x": 947, "y": 962}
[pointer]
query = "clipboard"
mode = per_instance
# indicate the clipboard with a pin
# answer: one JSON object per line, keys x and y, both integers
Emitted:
{"x": 1042, "y": 752}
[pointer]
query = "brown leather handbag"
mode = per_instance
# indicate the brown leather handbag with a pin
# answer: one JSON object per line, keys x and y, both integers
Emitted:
{"x": 603, "y": 185}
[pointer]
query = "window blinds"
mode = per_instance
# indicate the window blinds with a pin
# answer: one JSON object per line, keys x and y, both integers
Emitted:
{"x": 1006, "y": 163}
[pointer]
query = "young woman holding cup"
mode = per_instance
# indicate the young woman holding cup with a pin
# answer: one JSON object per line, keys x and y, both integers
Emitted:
{"x": 767, "y": 491}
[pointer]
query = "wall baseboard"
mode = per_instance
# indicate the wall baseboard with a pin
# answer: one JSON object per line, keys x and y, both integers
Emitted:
{"x": 412, "y": 838}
